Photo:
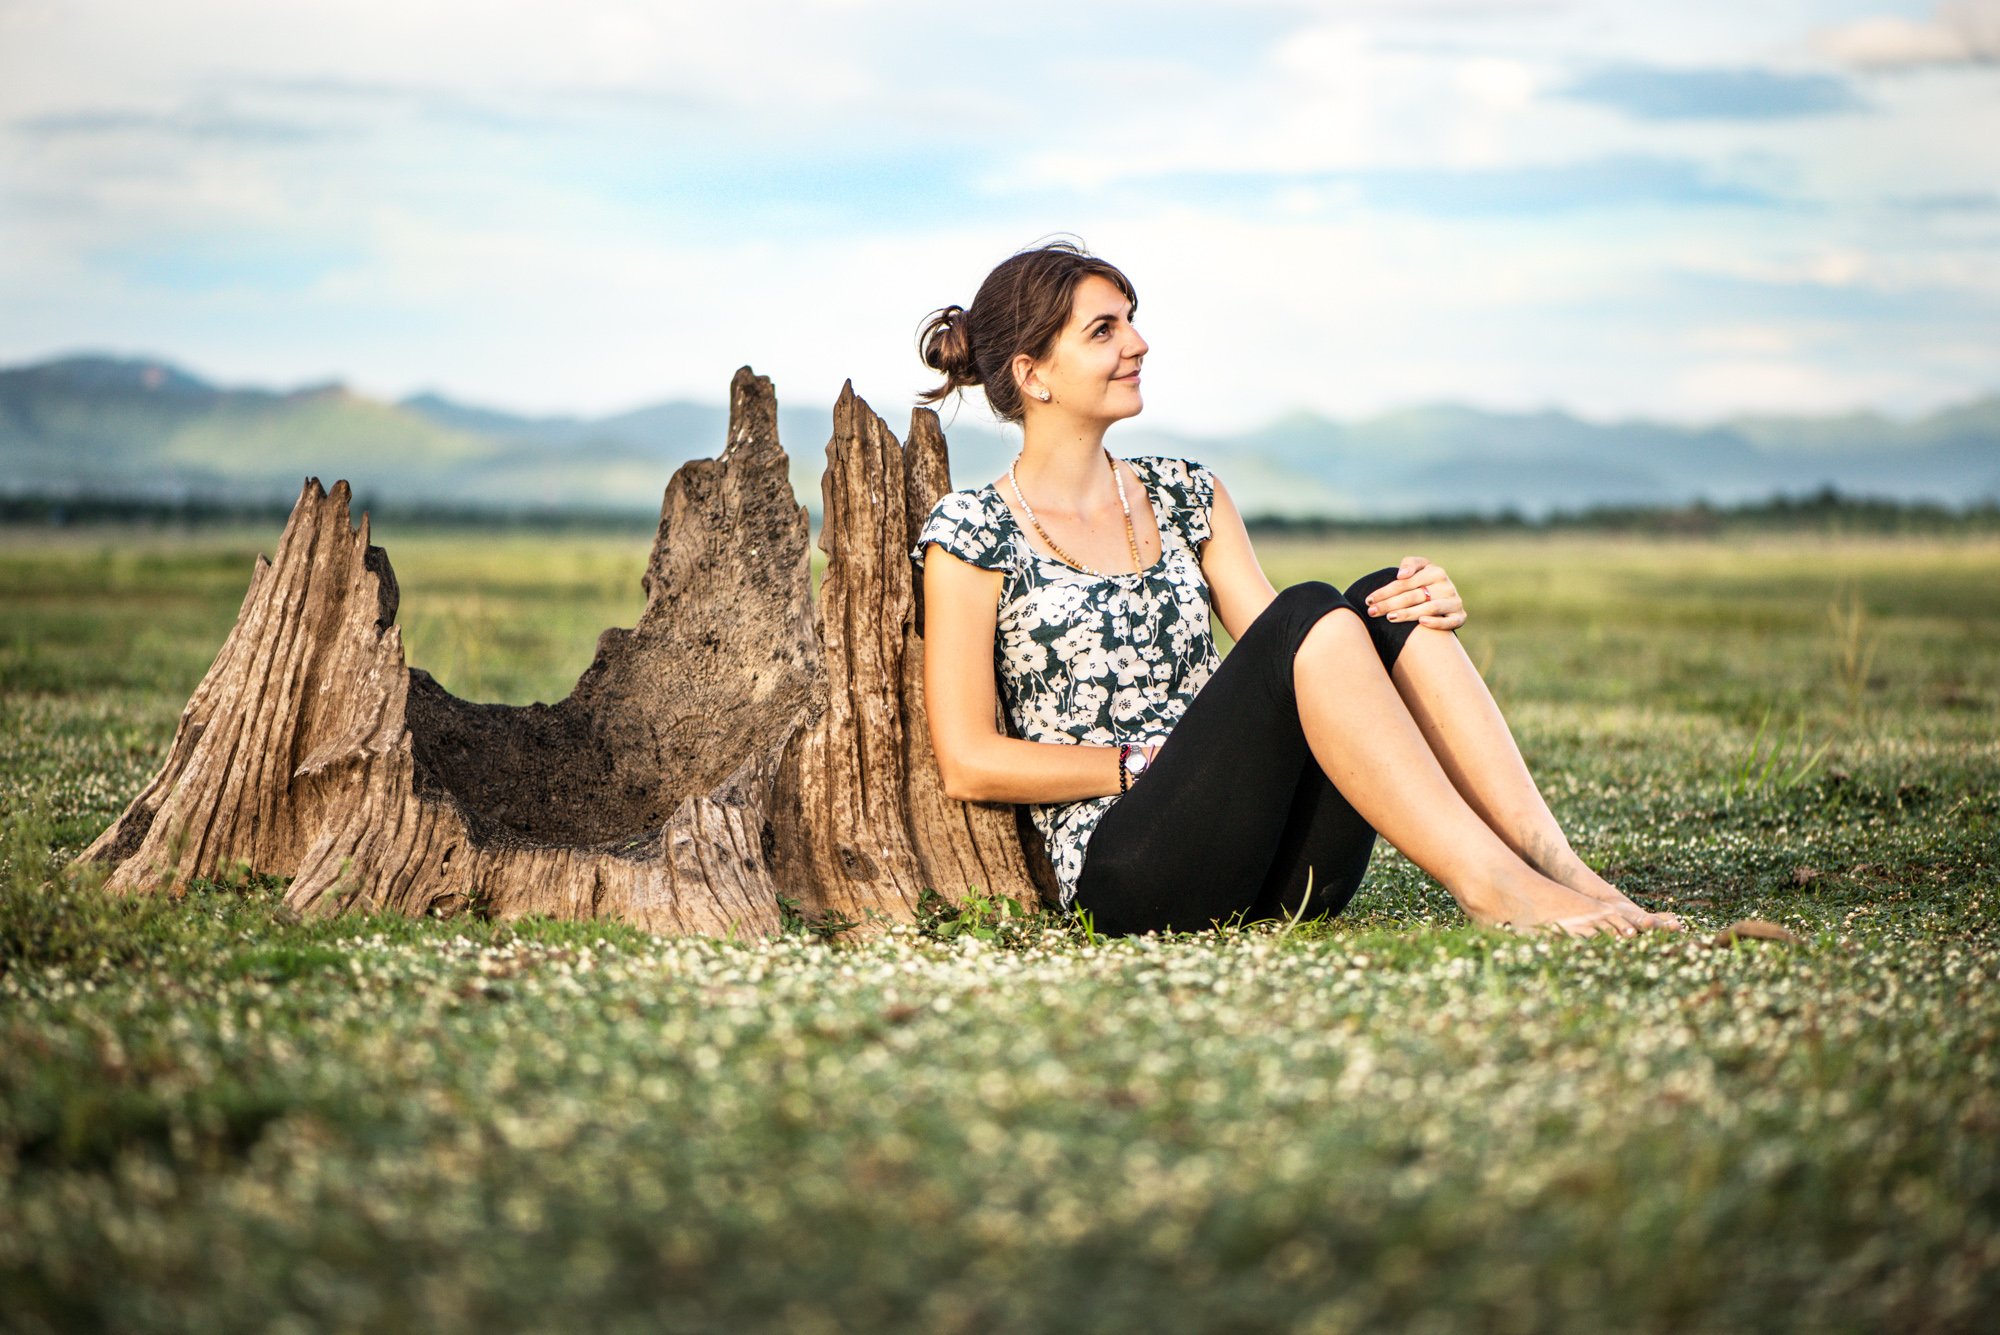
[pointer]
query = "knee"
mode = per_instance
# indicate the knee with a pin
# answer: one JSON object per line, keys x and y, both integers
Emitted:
{"x": 1299, "y": 607}
{"x": 1357, "y": 592}
{"x": 1389, "y": 636}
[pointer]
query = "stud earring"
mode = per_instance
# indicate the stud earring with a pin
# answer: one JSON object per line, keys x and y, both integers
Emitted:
{"x": 1043, "y": 396}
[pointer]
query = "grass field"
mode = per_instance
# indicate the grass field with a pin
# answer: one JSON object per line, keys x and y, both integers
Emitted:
{"x": 214, "y": 1118}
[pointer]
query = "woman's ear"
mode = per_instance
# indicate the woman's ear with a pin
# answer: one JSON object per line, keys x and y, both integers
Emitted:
{"x": 1023, "y": 369}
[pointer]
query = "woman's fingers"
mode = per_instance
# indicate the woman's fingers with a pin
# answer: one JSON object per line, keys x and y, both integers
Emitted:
{"x": 1408, "y": 577}
{"x": 1428, "y": 593}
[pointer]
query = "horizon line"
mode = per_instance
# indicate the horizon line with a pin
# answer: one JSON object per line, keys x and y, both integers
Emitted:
{"x": 1970, "y": 397}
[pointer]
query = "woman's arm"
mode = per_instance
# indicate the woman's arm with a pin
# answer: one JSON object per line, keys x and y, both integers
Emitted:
{"x": 1240, "y": 589}
{"x": 977, "y": 761}
{"x": 1237, "y": 585}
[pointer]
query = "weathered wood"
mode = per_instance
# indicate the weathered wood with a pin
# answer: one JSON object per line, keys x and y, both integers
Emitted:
{"x": 960, "y": 845}
{"x": 737, "y": 744}
{"x": 869, "y": 824}
{"x": 318, "y": 615}
{"x": 847, "y": 841}
{"x": 310, "y": 749}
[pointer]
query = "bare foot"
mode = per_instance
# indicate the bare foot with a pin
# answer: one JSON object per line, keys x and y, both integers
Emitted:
{"x": 1610, "y": 920}
{"x": 1576, "y": 874}
{"x": 1536, "y": 903}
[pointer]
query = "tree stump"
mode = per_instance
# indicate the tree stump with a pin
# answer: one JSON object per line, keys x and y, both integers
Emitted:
{"x": 737, "y": 745}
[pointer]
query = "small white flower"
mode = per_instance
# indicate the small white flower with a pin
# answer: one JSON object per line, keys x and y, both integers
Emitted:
{"x": 1022, "y": 653}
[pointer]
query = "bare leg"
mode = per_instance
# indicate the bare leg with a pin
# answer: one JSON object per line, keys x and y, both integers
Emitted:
{"x": 1465, "y": 730}
{"x": 1366, "y": 740}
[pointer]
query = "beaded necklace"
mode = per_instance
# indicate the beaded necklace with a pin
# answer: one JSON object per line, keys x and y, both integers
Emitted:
{"x": 1131, "y": 534}
{"x": 1139, "y": 568}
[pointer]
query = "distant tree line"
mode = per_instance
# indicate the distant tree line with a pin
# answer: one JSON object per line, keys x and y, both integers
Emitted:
{"x": 1826, "y": 510}
{"x": 201, "y": 512}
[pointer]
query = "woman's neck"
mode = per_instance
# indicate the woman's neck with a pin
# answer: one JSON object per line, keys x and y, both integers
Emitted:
{"x": 1062, "y": 465}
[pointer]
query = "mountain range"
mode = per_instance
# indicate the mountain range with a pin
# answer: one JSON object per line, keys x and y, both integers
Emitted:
{"x": 143, "y": 428}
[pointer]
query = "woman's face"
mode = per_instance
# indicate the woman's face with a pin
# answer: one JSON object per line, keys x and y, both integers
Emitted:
{"x": 1092, "y": 372}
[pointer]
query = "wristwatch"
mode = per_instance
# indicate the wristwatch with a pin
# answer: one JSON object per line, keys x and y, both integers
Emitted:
{"x": 1132, "y": 762}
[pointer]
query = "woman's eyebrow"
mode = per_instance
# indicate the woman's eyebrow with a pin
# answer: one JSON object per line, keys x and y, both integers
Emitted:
{"x": 1108, "y": 315}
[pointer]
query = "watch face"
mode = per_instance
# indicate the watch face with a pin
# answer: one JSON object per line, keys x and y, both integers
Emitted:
{"x": 1136, "y": 762}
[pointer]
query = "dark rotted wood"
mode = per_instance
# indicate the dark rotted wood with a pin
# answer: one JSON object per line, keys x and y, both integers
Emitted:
{"x": 736, "y": 745}
{"x": 312, "y": 751}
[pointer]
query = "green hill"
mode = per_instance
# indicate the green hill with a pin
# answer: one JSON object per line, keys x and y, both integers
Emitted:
{"x": 141, "y": 428}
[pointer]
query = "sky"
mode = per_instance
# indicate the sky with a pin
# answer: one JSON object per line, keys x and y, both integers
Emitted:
{"x": 1619, "y": 209}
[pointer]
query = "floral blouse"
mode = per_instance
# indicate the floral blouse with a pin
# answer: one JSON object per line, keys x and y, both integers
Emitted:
{"x": 1091, "y": 659}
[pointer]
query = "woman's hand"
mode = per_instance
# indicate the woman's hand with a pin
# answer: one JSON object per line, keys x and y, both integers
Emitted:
{"x": 1421, "y": 592}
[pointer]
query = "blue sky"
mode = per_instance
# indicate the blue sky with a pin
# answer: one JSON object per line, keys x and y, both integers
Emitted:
{"x": 1675, "y": 211}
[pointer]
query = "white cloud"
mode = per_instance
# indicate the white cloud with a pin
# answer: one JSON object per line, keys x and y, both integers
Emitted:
{"x": 1775, "y": 385}
{"x": 743, "y": 54}
{"x": 1836, "y": 266}
{"x": 1490, "y": 81}
{"x": 1961, "y": 32}
{"x": 1742, "y": 339}
{"x": 585, "y": 207}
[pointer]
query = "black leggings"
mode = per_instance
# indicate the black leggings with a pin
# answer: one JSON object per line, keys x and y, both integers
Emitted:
{"x": 1235, "y": 810}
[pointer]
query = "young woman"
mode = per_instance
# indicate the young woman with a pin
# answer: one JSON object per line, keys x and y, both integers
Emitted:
{"x": 1176, "y": 789}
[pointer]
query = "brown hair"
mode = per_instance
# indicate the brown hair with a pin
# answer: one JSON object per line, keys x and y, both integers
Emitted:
{"x": 1021, "y": 307}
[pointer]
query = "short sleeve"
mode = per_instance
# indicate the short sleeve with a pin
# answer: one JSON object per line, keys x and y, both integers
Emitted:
{"x": 962, "y": 525}
{"x": 1201, "y": 500}
{"x": 1190, "y": 490}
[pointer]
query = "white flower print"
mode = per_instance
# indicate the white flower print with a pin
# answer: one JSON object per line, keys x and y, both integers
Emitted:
{"x": 1092, "y": 659}
{"x": 1059, "y": 602}
{"x": 1127, "y": 665}
{"x": 1047, "y": 724}
{"x": 1022, "y": 653}
{"x": 1127, "y": 705}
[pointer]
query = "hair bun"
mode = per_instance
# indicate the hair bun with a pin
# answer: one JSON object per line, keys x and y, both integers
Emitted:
{"x": 946, "y": 345}
{"x": 1020, "y": 310}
